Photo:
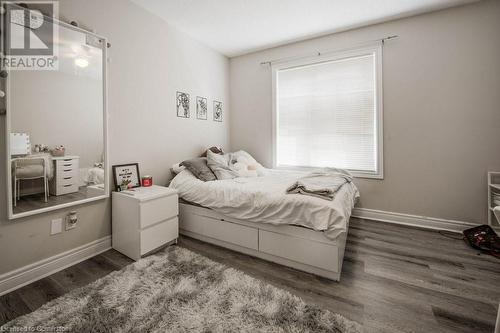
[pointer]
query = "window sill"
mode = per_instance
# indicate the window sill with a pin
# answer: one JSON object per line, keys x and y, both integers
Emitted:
{"x": 355, "y": 174}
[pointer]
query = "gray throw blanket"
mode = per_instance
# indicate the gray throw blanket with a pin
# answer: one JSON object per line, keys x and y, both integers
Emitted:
{"x": 324, "y": 183}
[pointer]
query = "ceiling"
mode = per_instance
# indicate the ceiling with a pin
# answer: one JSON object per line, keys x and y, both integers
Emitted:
{"x": 235, "y": 27}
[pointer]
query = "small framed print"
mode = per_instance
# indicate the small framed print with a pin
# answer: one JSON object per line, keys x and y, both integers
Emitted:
{"x": 182, "y": 103}
{"x": 126, "y": 176}
{"x": 201, "y": 108}
{"x": 217, "y": 111}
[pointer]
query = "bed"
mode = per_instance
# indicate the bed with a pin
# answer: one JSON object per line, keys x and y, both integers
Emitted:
{"x": 255, "y": 216}
{"x": 94, "y": 176}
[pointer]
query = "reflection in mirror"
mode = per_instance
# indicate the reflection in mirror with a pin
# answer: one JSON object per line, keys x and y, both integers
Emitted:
{"x": 57, "y": 143}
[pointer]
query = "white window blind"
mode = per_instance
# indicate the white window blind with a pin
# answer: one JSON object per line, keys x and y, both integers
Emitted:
{"x": 327, "y": 114}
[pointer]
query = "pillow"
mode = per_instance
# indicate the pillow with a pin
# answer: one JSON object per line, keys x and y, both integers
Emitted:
{"x": 220, "y": 165}
{"x": 199, "y": 168}
{"x": 247, "y": 165}
{"x": 244, "y": 170}
{"x": 177, "y": 168}
{"x": 216, "y": 150}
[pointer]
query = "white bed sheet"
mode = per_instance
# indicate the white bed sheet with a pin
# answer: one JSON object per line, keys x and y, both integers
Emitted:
{"x": 264, "y": 199}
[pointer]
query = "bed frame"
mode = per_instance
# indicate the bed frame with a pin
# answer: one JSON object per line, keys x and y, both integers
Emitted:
{"x": 301, "y": 248}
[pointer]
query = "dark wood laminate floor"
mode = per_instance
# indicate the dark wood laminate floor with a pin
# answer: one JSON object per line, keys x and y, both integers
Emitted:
{"x": 394, "y": 279}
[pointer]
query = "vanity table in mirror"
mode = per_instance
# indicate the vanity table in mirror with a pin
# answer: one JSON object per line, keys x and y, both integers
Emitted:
{"x": 56, "y": 127}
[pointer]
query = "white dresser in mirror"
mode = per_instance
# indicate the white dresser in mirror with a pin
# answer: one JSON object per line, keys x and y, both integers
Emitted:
{"x": 66, "y": 173}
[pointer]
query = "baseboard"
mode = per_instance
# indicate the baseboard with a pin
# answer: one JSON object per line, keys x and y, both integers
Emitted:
{"x": 412, "y": 220}
{"x": 25, "y": 275}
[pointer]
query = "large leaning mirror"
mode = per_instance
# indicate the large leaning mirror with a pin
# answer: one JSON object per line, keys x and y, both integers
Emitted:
{"x": 56, "y": 121}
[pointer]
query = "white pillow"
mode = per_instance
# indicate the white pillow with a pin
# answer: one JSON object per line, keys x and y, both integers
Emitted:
{"x": 247, "y": 163}
{"x": 243, "y": 171}
{"x": 177, "y": 168}
{"x": 220, "y": 165}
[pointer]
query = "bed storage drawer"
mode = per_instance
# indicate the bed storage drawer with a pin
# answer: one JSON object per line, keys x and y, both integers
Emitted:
{"x": 301, "y": 250}
{"x": 222, "y": 230}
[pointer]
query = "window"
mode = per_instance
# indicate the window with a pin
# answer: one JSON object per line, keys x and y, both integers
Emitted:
{"x": 328, "y": 112}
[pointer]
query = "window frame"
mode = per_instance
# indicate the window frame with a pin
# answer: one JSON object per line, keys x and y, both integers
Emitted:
{"x": 373, "y": 49}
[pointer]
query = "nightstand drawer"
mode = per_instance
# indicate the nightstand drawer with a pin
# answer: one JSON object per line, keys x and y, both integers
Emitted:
{"x": 157, "y": 235}
{"x": 159, "y": 209}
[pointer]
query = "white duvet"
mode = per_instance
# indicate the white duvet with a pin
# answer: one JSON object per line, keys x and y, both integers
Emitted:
{"x": 264, "y": 199}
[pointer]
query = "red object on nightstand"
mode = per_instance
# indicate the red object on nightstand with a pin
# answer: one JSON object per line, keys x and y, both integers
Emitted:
{"x": 147, "y": 181}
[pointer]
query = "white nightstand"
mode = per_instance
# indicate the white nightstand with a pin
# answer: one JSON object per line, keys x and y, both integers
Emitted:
{"x": 144, "y": 219}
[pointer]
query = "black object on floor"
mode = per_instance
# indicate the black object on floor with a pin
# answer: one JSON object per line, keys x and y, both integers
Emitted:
{"x": 483, "y": 238}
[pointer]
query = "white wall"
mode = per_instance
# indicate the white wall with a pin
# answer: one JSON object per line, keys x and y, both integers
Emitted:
{"x": 149, "y": 61}
{"x": 441, "y": 109}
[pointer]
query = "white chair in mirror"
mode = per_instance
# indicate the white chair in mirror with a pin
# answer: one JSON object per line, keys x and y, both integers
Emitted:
{"x": 29, "y": 168}
{"x": 26, "y": 166}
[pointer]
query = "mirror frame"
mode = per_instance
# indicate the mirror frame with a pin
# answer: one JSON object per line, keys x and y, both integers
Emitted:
{"x": 10, "y": 208}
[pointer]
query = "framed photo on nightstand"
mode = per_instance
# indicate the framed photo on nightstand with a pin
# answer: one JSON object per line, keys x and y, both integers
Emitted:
{"x": 126, "y": 176}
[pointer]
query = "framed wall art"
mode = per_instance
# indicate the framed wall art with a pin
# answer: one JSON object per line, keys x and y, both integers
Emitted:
{"x": 217, "y": 111}
{"x": 182, "y": 103}
{"x": 201, "y": 108}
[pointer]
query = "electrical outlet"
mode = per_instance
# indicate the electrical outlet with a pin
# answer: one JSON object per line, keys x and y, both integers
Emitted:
{"x": 56, "y": 227}
{"x": 71, "y": 220}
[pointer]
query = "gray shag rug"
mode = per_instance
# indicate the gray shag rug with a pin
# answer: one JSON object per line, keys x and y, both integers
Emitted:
{"x": 177, "y": 290}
